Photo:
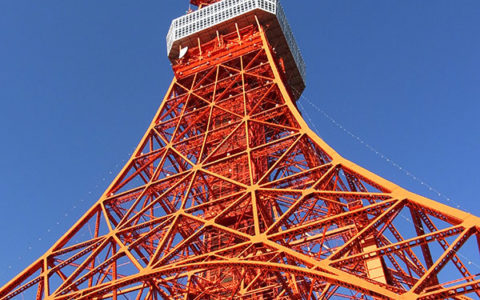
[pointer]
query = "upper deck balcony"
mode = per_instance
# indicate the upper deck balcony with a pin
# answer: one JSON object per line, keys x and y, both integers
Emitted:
{"x": 222, "y": 16}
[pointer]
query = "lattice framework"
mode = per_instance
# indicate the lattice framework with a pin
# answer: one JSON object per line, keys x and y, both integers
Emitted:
{"x": 230, "y": 195}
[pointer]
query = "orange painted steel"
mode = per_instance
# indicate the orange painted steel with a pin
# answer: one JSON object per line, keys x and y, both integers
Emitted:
{"x": 230, "y": 195}
{"x": 201, "y": 3}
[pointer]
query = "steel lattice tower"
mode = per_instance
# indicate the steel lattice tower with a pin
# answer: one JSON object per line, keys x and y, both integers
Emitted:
{"x": 230, "y": 195}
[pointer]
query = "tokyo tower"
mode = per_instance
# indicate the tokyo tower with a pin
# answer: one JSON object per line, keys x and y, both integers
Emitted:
{"x": 229, "y": 194}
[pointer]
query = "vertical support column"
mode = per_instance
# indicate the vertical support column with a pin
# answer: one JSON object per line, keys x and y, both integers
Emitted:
{"x": 374, "y": 266}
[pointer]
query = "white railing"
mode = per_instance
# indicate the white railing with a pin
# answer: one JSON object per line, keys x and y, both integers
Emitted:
{"x": 292, "y": 44}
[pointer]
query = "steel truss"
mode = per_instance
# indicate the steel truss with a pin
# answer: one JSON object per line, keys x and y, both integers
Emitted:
{"x": 230, "y": 195}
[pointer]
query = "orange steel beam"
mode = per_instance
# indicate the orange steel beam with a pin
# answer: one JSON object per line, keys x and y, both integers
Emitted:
{"x": 229, "y": 194}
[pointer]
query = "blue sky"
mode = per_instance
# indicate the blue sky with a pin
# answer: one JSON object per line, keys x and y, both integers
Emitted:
{"x": 81, "y": 80}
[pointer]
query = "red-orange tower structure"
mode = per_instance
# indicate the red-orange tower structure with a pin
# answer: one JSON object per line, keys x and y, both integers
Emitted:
{"x": 230, "y": 195}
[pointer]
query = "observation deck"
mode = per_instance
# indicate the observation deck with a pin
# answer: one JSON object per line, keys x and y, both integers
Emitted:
{"x": 204, "y": 23}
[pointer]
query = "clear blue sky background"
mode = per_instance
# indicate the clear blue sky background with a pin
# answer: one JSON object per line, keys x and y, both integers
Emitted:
{"x": 81, "y": 80}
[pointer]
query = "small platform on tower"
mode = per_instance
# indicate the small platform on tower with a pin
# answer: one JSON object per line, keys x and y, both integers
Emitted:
{"x": 202, "y": 2}
{"x": 223, "y": 17}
